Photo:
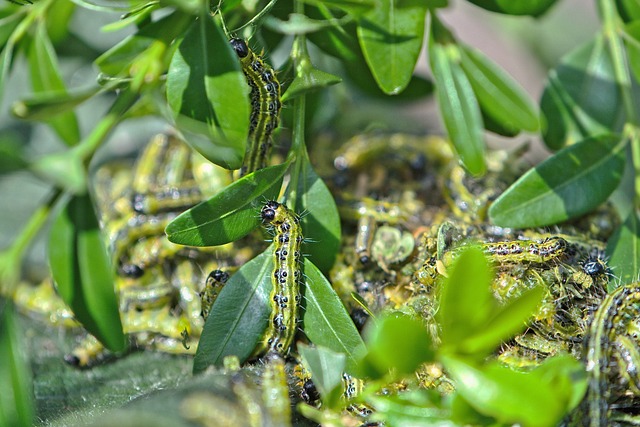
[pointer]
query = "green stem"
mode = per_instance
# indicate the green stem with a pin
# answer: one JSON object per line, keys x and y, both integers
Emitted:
{"x": 258, "y": 17}
{"x": 612, "y": 26}
{"x": 123, "y": 102}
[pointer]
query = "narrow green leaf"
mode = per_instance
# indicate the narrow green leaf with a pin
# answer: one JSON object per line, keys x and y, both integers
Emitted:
{"x": 553, "y": 191}
{"x": 208, "y": 94}
{"x": 632, "y": 44}
{"x": 83, "y": 271}
{"x": 16, "y": 407}
{"x": 466, "y": 302}
{"x": 44, "y": 106}
{"x": 458, "y": 105}
{"x": 8, "y": 23}
{"x": 410, "y": 408}
{"x": 391, "y": 37}
{"x": 45, "y": 78}
{"x": 508, "y": 395}
{"x": 326, "y": 368}
{"x": 325, "y": 320}
{"x": 239, "y": 316}
{"x": 516, "y": 7}
{"x": 12, "y": 152}
{"x": 581, "y": 97}
{"x": 230, "y": 214}
{"x": 320, "y": 221}
{"x": 6, "y": 59}
{"x": 117, "y": 60}
{"x": 499, "y": 96}
{"x": 623, "y": 249}
{"x": 352, "y": 7}
{"x": 399, "y": 343}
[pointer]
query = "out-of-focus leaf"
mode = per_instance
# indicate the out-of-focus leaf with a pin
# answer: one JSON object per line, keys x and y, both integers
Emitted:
{"x": 16, "y": 407}
{"x": 629, "y": 10}
{"x": 396, "y": 343}
{"x": 581, "y": 97}
{"x": 65, "y": 170}
{"x": 239, "y": 316}
{"x": 623, "y": 249}
{"x": 47, "y": 105}
{"x": 118, "y": 59}
{"x": 631, "y": 39}
{"x": 410, "y": 408}
{"x": 325, "y": 319}
{"x": 553, "y": 191}
{"x": 458, "y": 104}
{"x": 11, "y": 153}
{"x": 516, "y": 7}
{"x": 352, "y": 7}
{"x": 296, "y": 24}
{"x": 326, "y": 368}
{"x": 208, "y": 94}
{"x": 8, "y": 23}
{"x": 320, "y": 221}
{"x": 499, "y": 96}
{"x": 230, "y": 214}
{"x": 83, "y": 271}
{"x": 525, "y": 398}
{"x": 391, "y": 37}
{"x": 46, "y": 78}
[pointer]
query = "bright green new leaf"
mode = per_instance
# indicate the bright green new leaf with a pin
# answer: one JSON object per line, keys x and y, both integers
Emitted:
{"x": 458, "y": 104}
{"x": 46, "y": 78}
{"x": 230, "y": 214}
{"x": 312, "y": 79}
{"x": 554, "y": 191}
{"x": 326, "y": 322}
{"x": 66, "y": 170}
{"x": 629, "y": 10}
{"x": 499, "y": 96}
{"x": 516, "y": 7}
{"x": 623, "y": 249}
{"x": 525, "y": 398}
{"x": 391, "y": 37}
{"x": 208, "y": 94}
{"x": 352, "y": 7}
{"x": 582, "y": 97}
{"x": 396, "y": 342}
{"x": 326, "y": 368}
{"x": 83, "y": 271}
{"x": 49, "y": 104}
{"x": 321, "y": 221}
{"x": 410, "y": 408}
{"x": 16, "y": 407}
{"x": 466, "y": 302}
{"x": 239, "y": 316}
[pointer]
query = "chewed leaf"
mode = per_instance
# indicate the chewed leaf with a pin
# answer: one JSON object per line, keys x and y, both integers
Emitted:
{"x": 623, "y": 250}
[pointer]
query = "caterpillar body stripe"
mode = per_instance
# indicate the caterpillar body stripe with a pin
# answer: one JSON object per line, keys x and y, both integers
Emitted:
{"x": 265, "y": 105}
{"x": 516, "y": 251}
{"x": 285, "y": 295}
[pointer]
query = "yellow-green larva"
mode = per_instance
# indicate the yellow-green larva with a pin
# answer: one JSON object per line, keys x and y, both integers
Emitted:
{"x": 285, "y": 295}
{"x": 265, "y": 105}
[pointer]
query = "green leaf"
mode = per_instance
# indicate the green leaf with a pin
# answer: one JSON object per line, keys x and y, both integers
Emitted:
{"x": 629, "y": 10}
{"x": 50, "y": 104}
{"x": 46, "y": 78}
{"x": 208, "y": 94}
{"x": 83, "y": 271}
{"x": 12, "y": 152}
{"x": 8, "y": 23}
{"x": 326, "y": 321}
{"x": 499, "y": 96}
{"x": 397, "y": 343}
{"x": 309, "y": 80}
{"x": 16, "y": 407}
{"x": 582, "y": 97}
{"x": 526, "y": 398}
{"x": 631, "y": 37}
{"x": 466, "y": 302}
{"x": 326, "y": 368}
{"x": 117, "y": 60}
{"x": 230, "y": 214}
{"x": 391, "y": 37}
{"x": 504, "y": 323}
{"x": 239, "y": 316}
{"x": 320, "y": 221}
{"x": 515, "y": 7}
{"x": 458, "y": 104}
{"x": 554, "y": 191}
{"x": 66, "y": 170}
{"x": 352, "y": 7}
{"x": 410, "y": 408}
{"x": 623, "y": 249}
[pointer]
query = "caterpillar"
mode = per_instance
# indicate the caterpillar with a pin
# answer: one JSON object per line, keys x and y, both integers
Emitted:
{"x": 285, "y": 295}
{"x": 516, "y": 251}
{"x": 265, "y": 105}
{"x": 215, "y": 281}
